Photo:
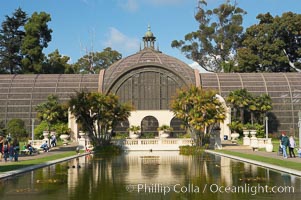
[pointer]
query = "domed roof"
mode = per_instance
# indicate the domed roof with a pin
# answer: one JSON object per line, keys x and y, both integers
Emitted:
{"x": 148, "y": 57}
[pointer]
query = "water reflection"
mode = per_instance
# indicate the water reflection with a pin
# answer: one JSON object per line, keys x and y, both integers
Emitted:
{"x": 150, "y": 175}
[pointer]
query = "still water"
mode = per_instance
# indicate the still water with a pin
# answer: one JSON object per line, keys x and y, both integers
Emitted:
{"x": 152, "y": 175}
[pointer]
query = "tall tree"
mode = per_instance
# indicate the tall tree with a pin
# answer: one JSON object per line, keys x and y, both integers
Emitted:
{"x": 57, "y": 64}
{"x": 93, "y": 62}
{"x": 198, "y": 109}
{"x": 51, "y": 111}
{"x": 16, "y": 127}
{"x": 97, "y": 113}
{"x": 272, "y": 45}
{"x": 37, "y": 37}
{"x": 11, "y": 36}
{"x": 214, "y": 43}
{"x": 264, "y": 104}
{"x": 239, "y": 100}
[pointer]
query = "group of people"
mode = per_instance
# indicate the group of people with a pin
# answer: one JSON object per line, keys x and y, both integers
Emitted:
{"x": 9, "y": 149}
{"x": 45, "y": 145}
{"x": 288, "y": 142}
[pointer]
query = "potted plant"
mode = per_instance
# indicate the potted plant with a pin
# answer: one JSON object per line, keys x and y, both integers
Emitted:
{"x": 235, "y": 128}
{"x": 164, "y": 131}
{"x": 134, "y": 132}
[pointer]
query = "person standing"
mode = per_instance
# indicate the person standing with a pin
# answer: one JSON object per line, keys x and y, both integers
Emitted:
{"x": 1, "y": 146}
{"x": 284, "y": 144}
{"x": 6, "y": 150}
{"x": 53, "y": 141}
{"x": 292, "y": 145}
{"x": 16, "y": 148}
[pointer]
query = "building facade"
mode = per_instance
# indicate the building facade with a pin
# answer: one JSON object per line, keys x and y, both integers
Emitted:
{"x": 149, "y": 80}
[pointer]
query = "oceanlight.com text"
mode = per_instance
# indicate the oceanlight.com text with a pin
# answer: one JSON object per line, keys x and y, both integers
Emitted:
{"x": 211, "y": 188}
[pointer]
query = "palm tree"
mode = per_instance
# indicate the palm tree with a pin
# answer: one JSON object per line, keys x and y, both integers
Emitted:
{"x": 51, "y": 111}
{"x": 98, "y": 113}
{"x": 198, "y": 109}
{"x": 264, "y": 102}
{"x": 239, "y": 99}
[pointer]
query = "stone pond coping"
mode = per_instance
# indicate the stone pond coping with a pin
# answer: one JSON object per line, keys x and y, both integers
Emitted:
{"x": 261, "y": 164}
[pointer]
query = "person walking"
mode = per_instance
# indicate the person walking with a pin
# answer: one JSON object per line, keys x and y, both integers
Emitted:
{"x": 284, "y": 144}
{"x": 292, "y": 145}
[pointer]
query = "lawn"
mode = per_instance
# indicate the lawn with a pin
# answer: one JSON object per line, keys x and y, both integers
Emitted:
{"x": 26, "y": 163}
{"x": 283, "y": 163}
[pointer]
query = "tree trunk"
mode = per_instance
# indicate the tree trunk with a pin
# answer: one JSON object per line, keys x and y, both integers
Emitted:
{"x": 241, "y": 114}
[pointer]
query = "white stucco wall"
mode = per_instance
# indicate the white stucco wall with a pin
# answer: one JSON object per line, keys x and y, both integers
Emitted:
{"x": 163, "y": 116}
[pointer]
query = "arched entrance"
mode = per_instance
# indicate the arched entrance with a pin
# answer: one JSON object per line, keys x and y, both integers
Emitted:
{"x": 176, "y": 124}
{"x": 149, "y": 124}
{"x": 121, "y": 127}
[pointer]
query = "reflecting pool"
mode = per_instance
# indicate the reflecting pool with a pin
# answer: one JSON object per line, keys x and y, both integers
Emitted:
{"x": 152, "y": 175}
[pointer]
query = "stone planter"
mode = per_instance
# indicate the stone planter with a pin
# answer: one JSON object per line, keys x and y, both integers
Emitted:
{"x": 253, "y": 133}
{"x": 164, "y": 134}
{"x": 81, "y": 133}
{"x": 234, "y": 137}
{"x": 45, "y": 134}
{"x": 65, "y": 138}
{"x": 246, "y": 139}
{"x": 269, "y": 145}
{"x": 134, "y": 135}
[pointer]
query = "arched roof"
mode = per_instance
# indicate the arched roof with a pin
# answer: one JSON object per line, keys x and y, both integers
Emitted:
{"x": 283, "y": 88}
{"x": 19, "y": 94}
{"x": 144, "y": 58}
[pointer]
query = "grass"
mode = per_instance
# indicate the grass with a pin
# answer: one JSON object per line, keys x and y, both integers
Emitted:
{"x": 282, "y": 163}
{"x": 26, "y": 163}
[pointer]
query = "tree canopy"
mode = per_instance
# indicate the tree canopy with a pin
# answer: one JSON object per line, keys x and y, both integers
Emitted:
{"x": 11, "y": 37}
{"x": 98, "y": 113}
{"x": 93, "y": 62}
{"x": 56, "y": 63}
{"x": 37, "y": 36}
{"x": 52, "y": 112}
{"x": 272, "y": 45}
{"x": 214, "y": 44}
{"x": 199, "y": 109}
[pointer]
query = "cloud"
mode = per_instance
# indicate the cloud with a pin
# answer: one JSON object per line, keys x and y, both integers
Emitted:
{"x": 133, "y": 5}
{"x": 165, "y": 2}
{"x": 129, "y": 5}
{"x": 122, "y": 43}
{"x": 196, "y": 65}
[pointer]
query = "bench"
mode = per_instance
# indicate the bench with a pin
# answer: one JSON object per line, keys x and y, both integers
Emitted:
{"x": 24, "y": 152}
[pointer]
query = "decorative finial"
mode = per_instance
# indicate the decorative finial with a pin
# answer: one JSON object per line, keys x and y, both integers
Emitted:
{"x": 149, "y": 38}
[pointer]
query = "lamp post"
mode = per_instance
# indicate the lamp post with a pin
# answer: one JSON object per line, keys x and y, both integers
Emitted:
{"x": 32, "y": 129}
{"x": 299, "y": 125}
{"x": 266, "y": 127}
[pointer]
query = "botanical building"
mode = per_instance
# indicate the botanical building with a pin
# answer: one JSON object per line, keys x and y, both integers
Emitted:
{"x": 149, "y": 80}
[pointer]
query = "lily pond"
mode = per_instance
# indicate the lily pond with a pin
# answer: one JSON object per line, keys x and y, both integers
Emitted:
{"x": 151, "y": 175}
